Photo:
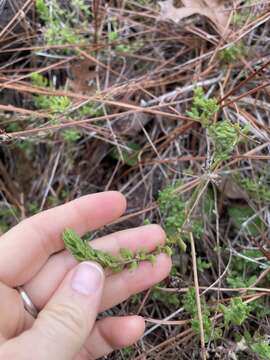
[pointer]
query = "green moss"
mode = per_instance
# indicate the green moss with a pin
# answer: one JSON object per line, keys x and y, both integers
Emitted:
{"x": 62, "y": 34}
{"x": 210, "y": 333}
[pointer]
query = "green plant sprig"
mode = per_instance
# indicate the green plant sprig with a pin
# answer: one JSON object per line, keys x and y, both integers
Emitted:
{"x": 223, "y": 134}
{"x": 83, "y": 251}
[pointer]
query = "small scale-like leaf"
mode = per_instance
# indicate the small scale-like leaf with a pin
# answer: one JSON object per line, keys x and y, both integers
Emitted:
{"x": 133, "y": 266}
{"x": 126, "y": 254}
{"x": 82, "y": 251}
{"x": 152, "y": 258}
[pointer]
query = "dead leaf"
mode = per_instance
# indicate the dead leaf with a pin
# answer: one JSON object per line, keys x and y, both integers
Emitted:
{"x": 82, "y": 77}
{"x": 214, "y": 10}
{"x": 231, "y": 190}
{"x": 130, "y": 124}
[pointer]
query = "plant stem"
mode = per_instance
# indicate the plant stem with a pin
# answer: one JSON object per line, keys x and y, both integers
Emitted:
{"x": 197, "y": 293}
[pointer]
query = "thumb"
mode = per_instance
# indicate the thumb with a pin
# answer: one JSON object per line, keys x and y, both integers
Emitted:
{"x": 64, "y": 324}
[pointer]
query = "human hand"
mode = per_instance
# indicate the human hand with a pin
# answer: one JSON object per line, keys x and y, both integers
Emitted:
{"x": 67, "y": 294}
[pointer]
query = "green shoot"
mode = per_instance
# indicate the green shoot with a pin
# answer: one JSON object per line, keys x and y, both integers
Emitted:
{"x": 236, "y": 313}
{"x": 83, "y": 251}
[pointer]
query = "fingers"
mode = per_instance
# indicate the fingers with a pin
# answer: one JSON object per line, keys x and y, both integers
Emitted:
{"x": 111, "y": 334}
{"x": 146, "y": 237}
{"x": 26, "y": 247}
{"x": 12, "y": 313}
{"x": 63, "y": 326}
{"x": 43, "y": 285}
{"x": 119, "y": 287}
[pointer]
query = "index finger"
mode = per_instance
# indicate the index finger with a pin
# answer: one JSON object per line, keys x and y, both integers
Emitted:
{"x": 26, "y": 247}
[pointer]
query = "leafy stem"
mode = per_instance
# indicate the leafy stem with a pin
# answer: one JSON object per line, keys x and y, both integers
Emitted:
{"x": 83, "y": 251}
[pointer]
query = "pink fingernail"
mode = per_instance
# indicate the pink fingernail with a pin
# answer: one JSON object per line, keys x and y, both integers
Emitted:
{"x": 87, "y": 279}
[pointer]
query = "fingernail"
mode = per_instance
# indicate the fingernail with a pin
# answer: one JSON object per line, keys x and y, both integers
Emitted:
{"x": 87, "y": 279}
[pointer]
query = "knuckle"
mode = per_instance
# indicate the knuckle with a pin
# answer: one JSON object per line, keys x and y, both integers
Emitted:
{"x": 86, "y": 354}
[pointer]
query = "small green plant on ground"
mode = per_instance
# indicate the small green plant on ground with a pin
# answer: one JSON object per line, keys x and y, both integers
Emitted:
{"x": 57, "y": 105}
{"x": 42, "y": 10}
{"x": 232, "y": 53}
{"x": 54, "y": 104}
{"x": 190, "y": 306}
{"x": 128, "y": 351}
{"x": 130, "y": 154}
{"x": 71, "y": 135}
{"x": 82, "y": 251}
{"x": 236, "y": 313}
{"x": 203, "y": 109}
{"x": 245, "y": 219}
{"x": 259, "y": 345}
{"x": 245, "y": 268}
{"x": 261, "y": 349}
{"x": 244, "y": 13}
{"x": 60, "y": 28}
{"x": 173, "y": 210}
{"x": 224, "y": 135}
{"x": 129, "y": 47}
{"x": 202, "y": 264}
{"x": 257, "y": 188}
{"x": 165, "y": 297}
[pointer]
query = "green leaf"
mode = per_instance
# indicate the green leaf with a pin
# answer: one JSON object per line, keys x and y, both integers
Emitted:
{"x": 42, "y": 10}
{"x": 126, "y": 254}
{"x": 133, "y": 266}
{"x": 202, "y": 264}
{"x": 262, "y": 349}
{"x": 71, "y": 135}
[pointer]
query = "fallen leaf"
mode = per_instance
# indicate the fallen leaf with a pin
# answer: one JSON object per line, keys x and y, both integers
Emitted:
{"x": 231, "y": 190}
{"x": 214, "y": 10}
{"x": 82, "y": 76}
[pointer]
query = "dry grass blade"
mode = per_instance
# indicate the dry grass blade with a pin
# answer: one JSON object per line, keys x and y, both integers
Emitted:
{"x": 197, "y": 292}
